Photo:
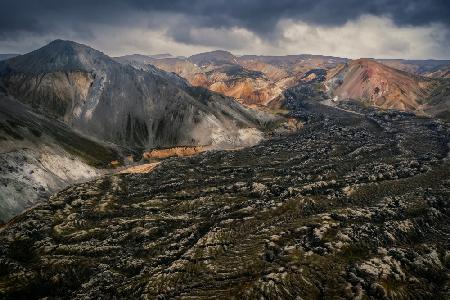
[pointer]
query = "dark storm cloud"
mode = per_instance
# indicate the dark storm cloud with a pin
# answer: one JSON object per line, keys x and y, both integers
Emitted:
{"x": 258, "y": 16}
{"x": 236, "y": 25}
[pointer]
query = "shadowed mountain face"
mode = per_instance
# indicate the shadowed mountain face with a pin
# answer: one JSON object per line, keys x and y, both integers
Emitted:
{"x": 252, "y": 80}
{"x": 354, "y": 205}
{"x": 118, "y": 103}
{"x": 389, "y": 88}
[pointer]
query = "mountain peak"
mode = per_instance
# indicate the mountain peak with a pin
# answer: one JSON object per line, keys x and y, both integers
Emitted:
{"x": 67, "y": 47}
{"x": 216, "y": 57}
{"x": 382, "y": 86}
{"x": 59, "y": 55}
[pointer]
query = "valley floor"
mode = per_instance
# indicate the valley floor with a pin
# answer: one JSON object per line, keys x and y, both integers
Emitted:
{"x": 350, "y": 206}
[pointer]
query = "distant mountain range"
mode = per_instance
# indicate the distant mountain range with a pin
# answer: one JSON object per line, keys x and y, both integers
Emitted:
{"x": 252, "y": 80}
{"x": 428, "y": 68}
{"x": 412, "y": 85}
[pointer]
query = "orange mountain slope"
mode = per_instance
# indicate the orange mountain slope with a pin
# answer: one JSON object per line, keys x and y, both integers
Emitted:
{"x": 379, "y": 85}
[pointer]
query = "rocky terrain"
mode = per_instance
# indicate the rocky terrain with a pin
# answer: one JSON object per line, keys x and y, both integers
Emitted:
{"x": 421, "y": 86}
{"x": 354, "y": 205}
{"x": 344, "y": 201}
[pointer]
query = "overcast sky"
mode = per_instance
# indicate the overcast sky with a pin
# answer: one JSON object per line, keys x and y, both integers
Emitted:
{"x": 346, "y": 28}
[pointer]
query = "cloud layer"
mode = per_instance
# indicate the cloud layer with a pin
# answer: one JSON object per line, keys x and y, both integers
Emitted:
{"x": 350, "y": 28}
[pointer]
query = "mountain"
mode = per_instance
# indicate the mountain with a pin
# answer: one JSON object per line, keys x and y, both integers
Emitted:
{"x": 118, "y": 103}
{"x": 143, "y": 59}
{"x": 428, "y": 68}
{"x": 253, "y": 80}
{"x": 278, "y": 67}
{"x": 8, "y": 56}
{"x": 216, "y": 58}
{"x": 39, "y": 156}
{"x": 412, "y": 85}
{"x": 388, "y": 88}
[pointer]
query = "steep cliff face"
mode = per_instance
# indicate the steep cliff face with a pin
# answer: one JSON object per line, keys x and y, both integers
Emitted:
{"x": 119, "y": 103}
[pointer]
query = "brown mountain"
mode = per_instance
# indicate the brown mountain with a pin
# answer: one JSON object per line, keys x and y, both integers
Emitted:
{"x": 427, "y": 68}
{"x": 388, "y": 88}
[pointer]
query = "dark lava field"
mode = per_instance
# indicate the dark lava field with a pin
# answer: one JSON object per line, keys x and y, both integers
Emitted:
{"x": 355, "y": 205}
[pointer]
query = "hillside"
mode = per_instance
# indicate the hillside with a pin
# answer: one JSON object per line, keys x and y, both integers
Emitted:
{"x": 39, "y": 156}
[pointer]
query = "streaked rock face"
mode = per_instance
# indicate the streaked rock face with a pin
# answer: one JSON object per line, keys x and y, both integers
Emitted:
{"x": 354, "y": 205}
{"x": 40, "y": 156}
{"x": 113, "y": 102}
{"x": 56, "y": 94}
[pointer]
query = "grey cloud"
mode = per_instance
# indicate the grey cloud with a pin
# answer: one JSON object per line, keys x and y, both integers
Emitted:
{"x": 181, "y": 20}
{"x": 256, "y": 15}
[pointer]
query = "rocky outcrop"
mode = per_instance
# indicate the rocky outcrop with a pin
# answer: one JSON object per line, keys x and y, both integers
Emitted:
{"x": 175, "y": 151}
